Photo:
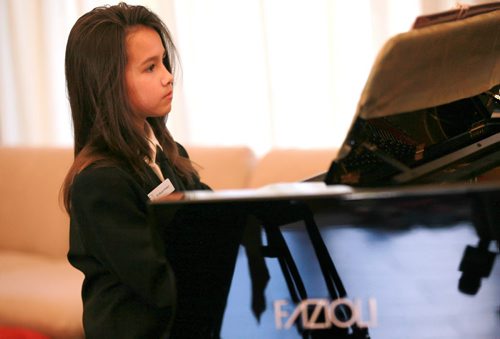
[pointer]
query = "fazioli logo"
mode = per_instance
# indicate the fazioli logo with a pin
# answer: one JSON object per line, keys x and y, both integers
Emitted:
{"x": 323, "y": 313}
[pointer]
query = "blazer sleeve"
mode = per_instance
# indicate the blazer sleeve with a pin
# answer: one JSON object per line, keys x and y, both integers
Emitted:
{"x": 109, "y": 211}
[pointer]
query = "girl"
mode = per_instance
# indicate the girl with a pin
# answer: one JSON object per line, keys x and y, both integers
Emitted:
{"x": 119, "y": 77}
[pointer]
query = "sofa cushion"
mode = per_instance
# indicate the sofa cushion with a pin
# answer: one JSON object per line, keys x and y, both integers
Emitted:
{"x": 41, "y": 294}
{"x": 289, "y": 165}
{"x": 31, "y": 219}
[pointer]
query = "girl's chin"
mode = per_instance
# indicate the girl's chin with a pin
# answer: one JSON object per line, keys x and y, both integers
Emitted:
{"x": 160, "y": 115}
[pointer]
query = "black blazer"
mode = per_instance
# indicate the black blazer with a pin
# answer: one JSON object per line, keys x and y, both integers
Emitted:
{"x": 129, "y": 288}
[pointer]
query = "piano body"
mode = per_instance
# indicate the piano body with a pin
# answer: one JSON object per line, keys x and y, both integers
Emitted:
{"x": 427, "y": 127}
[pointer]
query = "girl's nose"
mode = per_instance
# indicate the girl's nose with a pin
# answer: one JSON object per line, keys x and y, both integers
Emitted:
{"x": 167, "y": 77}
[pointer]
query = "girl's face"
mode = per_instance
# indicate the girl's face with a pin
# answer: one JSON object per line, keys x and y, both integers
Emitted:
{"x": 149, "y": 84}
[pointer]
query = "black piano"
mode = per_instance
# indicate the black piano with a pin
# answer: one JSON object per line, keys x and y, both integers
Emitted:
{"x": 426, "y": 133}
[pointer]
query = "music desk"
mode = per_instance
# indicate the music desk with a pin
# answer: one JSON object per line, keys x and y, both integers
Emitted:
{"x": 222, "y": 218}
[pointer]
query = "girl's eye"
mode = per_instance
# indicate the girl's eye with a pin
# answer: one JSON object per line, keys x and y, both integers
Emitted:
{"x": 151, "y": 68}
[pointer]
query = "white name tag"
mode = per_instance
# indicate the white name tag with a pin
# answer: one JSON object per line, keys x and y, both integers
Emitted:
{"x": 163, "y": 189}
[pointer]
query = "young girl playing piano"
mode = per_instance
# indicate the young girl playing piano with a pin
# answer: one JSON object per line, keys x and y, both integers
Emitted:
{"x": 119, "y": 65}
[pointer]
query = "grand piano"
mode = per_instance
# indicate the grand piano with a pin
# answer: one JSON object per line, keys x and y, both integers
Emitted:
{"x": 427, "y": 129}
{"x": 429, "y": 116}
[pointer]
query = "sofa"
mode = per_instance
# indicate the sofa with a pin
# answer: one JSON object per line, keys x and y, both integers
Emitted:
{"x": 39, "y": 290}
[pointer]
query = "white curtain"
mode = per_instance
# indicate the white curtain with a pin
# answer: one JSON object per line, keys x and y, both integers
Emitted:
{"x": 261, "y": 73}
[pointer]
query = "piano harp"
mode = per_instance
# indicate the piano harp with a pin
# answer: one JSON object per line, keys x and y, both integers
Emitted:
{"x": 453, "y": 142}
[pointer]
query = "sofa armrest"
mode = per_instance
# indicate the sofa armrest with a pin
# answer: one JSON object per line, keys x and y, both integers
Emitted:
{"x": 31, "y": 218}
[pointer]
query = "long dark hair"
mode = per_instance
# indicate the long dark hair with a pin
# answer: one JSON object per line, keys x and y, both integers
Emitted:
{"x": 103, "y": 120}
